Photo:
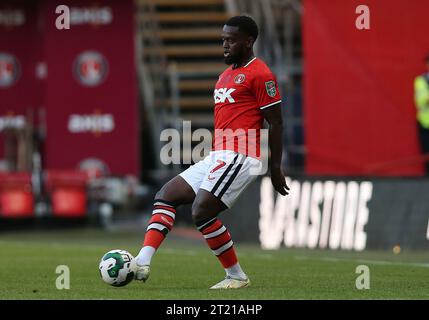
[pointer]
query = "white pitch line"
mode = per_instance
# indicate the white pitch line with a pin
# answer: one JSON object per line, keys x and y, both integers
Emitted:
{"x": 378, "y": 262}
{"x": 179, "y": 251}
{"x": 264, "y": 256}
{"x": 413, "y": 264}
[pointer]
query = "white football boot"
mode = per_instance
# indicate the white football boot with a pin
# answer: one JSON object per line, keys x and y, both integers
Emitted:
{"x": 229, "y": 283}
{"x": 142, "y": 273}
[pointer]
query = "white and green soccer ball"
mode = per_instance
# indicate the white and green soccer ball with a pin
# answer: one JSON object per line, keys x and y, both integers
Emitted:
{"x": 117, "y": 267}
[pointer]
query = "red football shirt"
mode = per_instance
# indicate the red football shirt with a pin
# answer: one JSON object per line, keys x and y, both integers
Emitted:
{"x": 240, "y": 95}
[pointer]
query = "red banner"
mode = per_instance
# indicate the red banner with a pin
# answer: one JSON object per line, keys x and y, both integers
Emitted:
{"x": 360, "y": 117}
{"x": 20, "y": 52}
{"x": 91, "y": 88}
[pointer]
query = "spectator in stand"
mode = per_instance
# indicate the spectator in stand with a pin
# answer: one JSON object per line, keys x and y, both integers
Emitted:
{"x": 421, "y": 98}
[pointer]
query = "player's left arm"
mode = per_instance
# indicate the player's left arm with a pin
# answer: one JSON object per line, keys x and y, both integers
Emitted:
{"x": 269, "y": 100}
{"x": 273, "y": 115}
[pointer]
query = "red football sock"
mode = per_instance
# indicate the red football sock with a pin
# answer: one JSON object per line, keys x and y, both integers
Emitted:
{"x": 219, "y": 240}
{"x": 160, "y": 224}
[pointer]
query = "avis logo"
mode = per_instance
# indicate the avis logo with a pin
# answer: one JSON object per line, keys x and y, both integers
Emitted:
{"x": 80, "y": 16}
{"x": 11, "y": 121}
{"x": 222, "y": 94}
{"x": 94, "y": 16}
{"x": 12, "y": 18}
{"x": 96, "y": 123}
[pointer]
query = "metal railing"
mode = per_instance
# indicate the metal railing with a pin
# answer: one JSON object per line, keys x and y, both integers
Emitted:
{"x": 152, "y": 72}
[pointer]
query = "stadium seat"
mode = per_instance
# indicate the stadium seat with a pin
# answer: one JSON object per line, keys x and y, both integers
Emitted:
{"x": 16, "y": 196}
{"x": 67, "y": 190}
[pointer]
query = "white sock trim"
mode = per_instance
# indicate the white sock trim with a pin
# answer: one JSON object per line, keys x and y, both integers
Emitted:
{"x": 145, "y": 255}
{"x": 236, "y": 272}
{"x": 215, "y": 233}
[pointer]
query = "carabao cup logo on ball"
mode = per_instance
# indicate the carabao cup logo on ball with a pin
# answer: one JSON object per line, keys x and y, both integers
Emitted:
{"x": 9, "y": 70}
{"x": 117, "y": 267}
{"x": 90, "y": 68}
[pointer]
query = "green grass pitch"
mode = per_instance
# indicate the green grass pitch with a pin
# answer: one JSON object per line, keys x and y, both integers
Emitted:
{"x": 185, "y": 270}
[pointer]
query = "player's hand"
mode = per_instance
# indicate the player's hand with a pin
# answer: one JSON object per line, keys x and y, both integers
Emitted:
{"x": 278, "y": 180}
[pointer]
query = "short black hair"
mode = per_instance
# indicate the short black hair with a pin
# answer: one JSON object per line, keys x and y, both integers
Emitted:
{"x": 245, "y": 24}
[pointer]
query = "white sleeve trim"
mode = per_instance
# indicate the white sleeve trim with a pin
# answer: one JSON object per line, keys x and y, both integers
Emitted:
{"x": 250, "y": 62}
{"x": 271, "y": 104}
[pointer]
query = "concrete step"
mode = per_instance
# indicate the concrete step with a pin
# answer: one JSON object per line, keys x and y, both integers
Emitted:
{"x": 187, "y": 51}
{"x": 198, "y": 102}
{"x": 189, "y": 17}
{"x": 184, "y": 3}
{"x": 188, "y": 34}
{"x": 195, "y": 85}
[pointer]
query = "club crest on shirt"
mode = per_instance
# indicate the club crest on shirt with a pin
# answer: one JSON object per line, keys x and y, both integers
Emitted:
{"x": 270, "y": 86}
{"x": 239, "y": 78}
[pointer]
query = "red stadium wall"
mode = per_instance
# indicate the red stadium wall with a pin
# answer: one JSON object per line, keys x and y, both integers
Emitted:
{"x": 358, "y": 87}
{"x": 20, "y": 51}
{"x": 91, "y": 88}
{"x": 82, "y": 79}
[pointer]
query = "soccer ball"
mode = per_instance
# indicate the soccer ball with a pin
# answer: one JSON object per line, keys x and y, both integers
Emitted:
{"x": 117, "y": 267}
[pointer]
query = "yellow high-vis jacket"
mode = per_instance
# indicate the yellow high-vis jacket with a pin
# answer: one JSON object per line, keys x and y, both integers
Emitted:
{"x": 421, "y": 98}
